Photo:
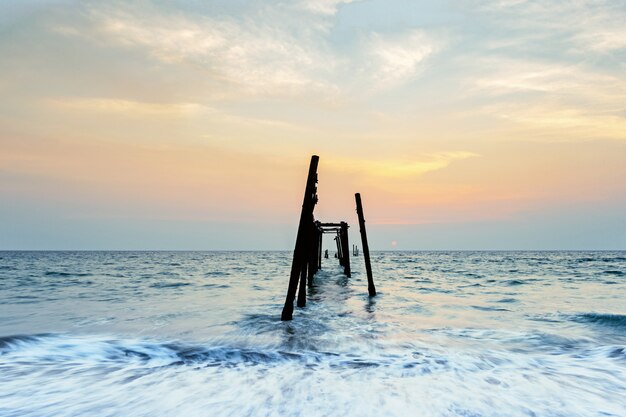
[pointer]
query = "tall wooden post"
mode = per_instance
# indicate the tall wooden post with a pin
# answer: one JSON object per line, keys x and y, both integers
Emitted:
{"x": 366, "y": 249}
{"x": 301, "y": 302}
{"x": 312, "y": 253}
{"x": 339, "y": 249}
{"x": 320, "y": 236}
{"x": 346, "y": 251}
{"x": 300, "y": 253}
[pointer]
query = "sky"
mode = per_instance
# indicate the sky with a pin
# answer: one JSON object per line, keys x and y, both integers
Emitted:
{"x": 465, "y": 124}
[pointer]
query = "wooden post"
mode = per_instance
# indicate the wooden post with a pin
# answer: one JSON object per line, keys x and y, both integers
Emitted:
{"x": 300, "y": 253}
{"x": 366, "y": 249}
{"x": 339, "y": 251}
{"x": 312, "y": 253}
{"x": 320, "y": 236}
{"x": 346, "y": 251}
{"x": 302, "y": 286}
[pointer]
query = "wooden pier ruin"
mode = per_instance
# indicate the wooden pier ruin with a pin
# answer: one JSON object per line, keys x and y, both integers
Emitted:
{"x": 307, "y": 255}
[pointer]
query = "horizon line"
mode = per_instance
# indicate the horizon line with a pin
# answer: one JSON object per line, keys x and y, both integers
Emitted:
{"x": 291, "y": 250}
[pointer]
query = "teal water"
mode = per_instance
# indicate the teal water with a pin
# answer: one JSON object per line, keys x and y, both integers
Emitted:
{"x": 198, "y": 334}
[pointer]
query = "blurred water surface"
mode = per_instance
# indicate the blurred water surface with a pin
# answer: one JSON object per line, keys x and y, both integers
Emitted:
{"x": 198, "y": 334}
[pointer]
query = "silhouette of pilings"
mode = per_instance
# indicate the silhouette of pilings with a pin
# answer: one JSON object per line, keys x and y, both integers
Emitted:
{"x": 302, "y": 248}
{"x": 341, "y": 241}
{"x": 307, "y": 255}
{"x": 366, "y": 249}
{"x": 339, "y": 255}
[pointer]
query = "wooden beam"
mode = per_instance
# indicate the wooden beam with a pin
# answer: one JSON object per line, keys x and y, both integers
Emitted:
{"x": 301, "y": 302}
{"x": 345, "y": 248}
{"x": 312, "y": 253}
{"x": 366, "y": 249}
{"x": 300, "y": 252}
{"x": 320, "y": 236}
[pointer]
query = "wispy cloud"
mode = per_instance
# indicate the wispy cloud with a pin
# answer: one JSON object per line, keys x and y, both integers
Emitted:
{"x": 283, "y": 51}
{"x": 401, "y": 168}
{"x": 603, "y": 39}
{"x": 399, "y": 57}
{"x": 324, "y": 7}
{"x": 507, "y": 75}
{"x": 562, "y": 123}
{"x": 258, "y": 58}
{"x": 564, "y": 101}
{"x": 588, "y": 26}
{"x": 127, "y": 107}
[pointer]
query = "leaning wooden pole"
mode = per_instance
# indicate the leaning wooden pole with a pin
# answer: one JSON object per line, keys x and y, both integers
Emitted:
{"x": 300, "y": 254}
{"x": 339, "y": 254}
{"x": 345, "y": 251}
{"x": 366, "y": 249}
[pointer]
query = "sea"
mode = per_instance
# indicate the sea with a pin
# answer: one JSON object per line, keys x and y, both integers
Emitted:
{"x": 471, "y": 334}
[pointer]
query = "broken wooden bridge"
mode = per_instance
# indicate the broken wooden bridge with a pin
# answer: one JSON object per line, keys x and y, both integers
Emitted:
{"x": 307, "y": 255}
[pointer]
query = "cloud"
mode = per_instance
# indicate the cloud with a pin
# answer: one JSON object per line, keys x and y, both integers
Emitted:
{"x": 564, "y": 101}
{"x": 566, "y": 123}
{"x": 324, "y": 7}
{"x": 603, "y": 39}
{"x": 588, "y": 26}
{"x": 401, "y": 168}
{"x": 286, "y": 50}
{"x": 507, "y": 75}
{"x": 398, "y": 58}
{"x": 127, "y": 107}
{"x": 258, "y": 56}
{"x": 551, "y": 74}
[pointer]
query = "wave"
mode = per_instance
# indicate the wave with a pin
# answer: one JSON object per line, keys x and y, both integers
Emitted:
{"x": 62, "y": 274}
{"x": 614, "y": 259}
{"x": 507, "y": 300}
{"x": 216, "y": 273}
{"x": 52, "y": 348}
{"x": 55, "y": 347}
{"x": 60, "y": 348}
{"x": 611, "y": 320}
{"x": 615, "y": 272}
{"x": 11, "y": 342}
{"x": 487, "y": 308}
{"x": 216, "y": 286}
{"x": 169, "y": 284}
{"x": 97, "y": 375}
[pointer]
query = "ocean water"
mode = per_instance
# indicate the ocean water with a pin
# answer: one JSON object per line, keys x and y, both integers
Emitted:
{"x": 198, "y": 334}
